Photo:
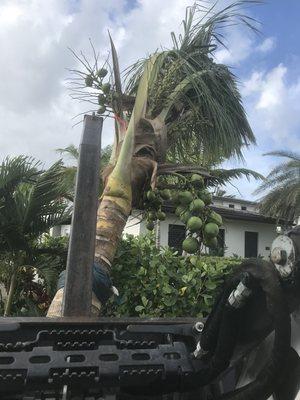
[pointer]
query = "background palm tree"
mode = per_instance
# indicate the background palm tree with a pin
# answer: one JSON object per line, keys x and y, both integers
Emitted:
{"x": 176, "y": 104}
{"x": 31, "y": 202}
{"x": 69, "y": 171}
{"x": 283, "y": 184}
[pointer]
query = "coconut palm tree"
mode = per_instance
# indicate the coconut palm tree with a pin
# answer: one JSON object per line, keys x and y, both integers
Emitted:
{"x": 283, "y": 184}
{"x": 31, "y": 202}
{"x": 175, "y": 105}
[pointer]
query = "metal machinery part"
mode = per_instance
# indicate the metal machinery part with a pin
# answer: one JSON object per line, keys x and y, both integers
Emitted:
{"x": 238, "y": 297}
{"x": 41, "y": 358}
{"x": 283, "y": 255}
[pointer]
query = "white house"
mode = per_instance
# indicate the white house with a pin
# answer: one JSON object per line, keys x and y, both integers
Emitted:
{"x": 245, "y": 232}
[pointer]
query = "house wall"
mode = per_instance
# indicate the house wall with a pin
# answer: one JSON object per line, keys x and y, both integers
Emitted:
{"x": 60, "y": 230}
{"x": 225, "y": 202}
{"x": 134, "y": 226}
{"x": 234, "y": 234}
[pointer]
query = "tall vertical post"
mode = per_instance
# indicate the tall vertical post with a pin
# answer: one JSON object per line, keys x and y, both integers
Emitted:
{"x": 78, "y": 286}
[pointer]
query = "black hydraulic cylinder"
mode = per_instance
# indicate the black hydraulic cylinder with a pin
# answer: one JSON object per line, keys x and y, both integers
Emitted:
{"x": 78, "y": 287}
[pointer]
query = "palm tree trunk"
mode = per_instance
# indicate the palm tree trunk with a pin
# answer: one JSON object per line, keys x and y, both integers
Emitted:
{"x": 11, "y": 292}
{"x": 113, "y": 213}
{"x": 116, "y": 203}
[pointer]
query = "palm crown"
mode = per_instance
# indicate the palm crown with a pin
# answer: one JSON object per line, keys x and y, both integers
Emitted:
{"x": 283, "y": 183}
{"x": 189, "y": 104}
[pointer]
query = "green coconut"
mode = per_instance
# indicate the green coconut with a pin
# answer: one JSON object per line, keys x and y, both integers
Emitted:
{"x": 197, "y": 180}
{"x": 211, "y": 242}
{"x": 197, "y": 206}
{"x": 175, "y": 197}
{"x": 102, "y": 72}
{"x": 161, "y": 215}
{"x": 101, "y": 99}
{"x": 151, "y": 196}
{"x": 206, "y": 197}
{"x": 157, "y": 202}
{"x": 185, "y": 197}
{"x": 89, "y": 80}
{"x": 152, "y": 216}
{"x": 185, "y": 216}
{"x": 211, "y": 230}
{"x": 194, "y": 224}
{"x": 179, "y": 210}
{"x": 216, "y": 218}
{"x": 165, "y": 194}
{"x": 106, "y": 88}
{"x": 190, "y": 245}
{"x": 150, "y": 225}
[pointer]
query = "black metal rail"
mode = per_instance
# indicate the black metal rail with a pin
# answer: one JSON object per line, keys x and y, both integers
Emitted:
{"x": 43, "y": 356}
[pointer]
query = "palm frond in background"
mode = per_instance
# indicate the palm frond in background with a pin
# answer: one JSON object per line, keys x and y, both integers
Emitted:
{"x": 283, "y": 186}
{"x": 32, "y": 200}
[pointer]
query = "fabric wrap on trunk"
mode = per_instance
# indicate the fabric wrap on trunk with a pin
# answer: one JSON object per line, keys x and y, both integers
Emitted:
{"x": 102, "y": 284}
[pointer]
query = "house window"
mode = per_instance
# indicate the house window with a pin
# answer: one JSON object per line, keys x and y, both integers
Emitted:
{"x": 251, "y": 244}
{"x": 231, "y": 205}
{"x": 244, "y": 208}
{"x": 219, "y": 251}
{"x": 176, "y": 236}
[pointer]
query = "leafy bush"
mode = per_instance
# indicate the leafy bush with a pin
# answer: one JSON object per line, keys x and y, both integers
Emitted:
{"x": 158, "y": 282}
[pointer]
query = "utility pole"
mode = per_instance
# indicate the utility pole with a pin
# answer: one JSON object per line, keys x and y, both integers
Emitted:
{"x": 78, "y": 286}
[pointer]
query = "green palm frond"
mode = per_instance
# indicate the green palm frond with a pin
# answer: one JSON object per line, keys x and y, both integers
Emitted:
{"x": 282, "y": 202}
{"x": 16, "y": 170}
{"x": 70, "y": 150}
{"x": 283, "y": 183}
{"x": 48, "y": 268}
{"x": 207, "y": 30}
{"x": 288, "y": 154}
{"x": 223, "y": 176}
{"x": 32, "y": 208}
{"x": 197, "y": 98}
{"x": 45, "y": 204}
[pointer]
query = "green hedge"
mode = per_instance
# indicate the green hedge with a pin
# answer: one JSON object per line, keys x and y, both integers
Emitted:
{"x": 160, "y": 283}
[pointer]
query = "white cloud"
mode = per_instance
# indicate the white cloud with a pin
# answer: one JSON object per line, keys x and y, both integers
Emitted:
{"x": 240, "y": 44}
{"x": 35, "y": 109}
{"x": 253, "y": 84}
{"x": 272, "y": 102}
{"x": 267, "y": 45}
{"x": 273, "y": 105}
{"x": 272, "y": 88}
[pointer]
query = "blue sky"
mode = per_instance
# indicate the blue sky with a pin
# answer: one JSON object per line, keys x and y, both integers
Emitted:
{"x": 36, "y": 112}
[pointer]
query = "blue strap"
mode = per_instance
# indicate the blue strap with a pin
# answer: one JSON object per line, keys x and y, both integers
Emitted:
{"x": 101, "y": 283}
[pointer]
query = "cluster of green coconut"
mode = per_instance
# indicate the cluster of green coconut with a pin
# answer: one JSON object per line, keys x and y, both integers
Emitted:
{"x": 96, "y": 80}
{"x": 193, "y": 209}
{"x": 153, "y": 203}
